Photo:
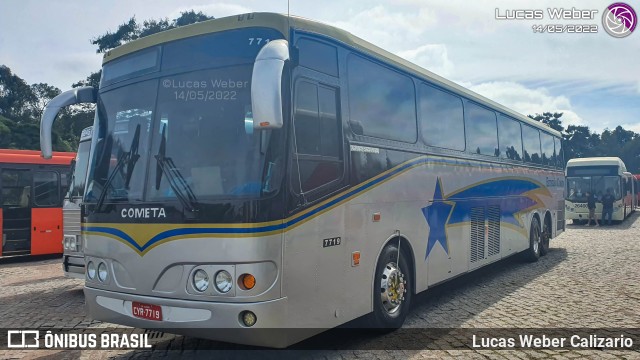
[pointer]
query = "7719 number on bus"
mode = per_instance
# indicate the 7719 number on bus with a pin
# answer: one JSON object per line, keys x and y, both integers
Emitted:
{"x": 330, "y": 242}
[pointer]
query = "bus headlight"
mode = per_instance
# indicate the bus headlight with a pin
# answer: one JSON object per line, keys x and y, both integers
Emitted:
{"x": 200, "y": 280}
{"x": 70, "y": 243}
{"x": 91, "y": 270}
{"x": 102, "y": 272}
{"x": 223, "y": 281}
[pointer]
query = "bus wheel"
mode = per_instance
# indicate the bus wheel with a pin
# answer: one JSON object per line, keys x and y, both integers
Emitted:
{"x": 546, "y": 236}
{"x": 535, "y": 240}
{"x": 391, "y": 290}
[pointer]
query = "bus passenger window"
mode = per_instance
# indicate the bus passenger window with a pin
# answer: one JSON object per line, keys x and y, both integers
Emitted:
{"x": 441, "y": 118}
{"x": 381, "y": 101}
{"x": 548, "y": 152}
{"x": 46, "y": 188}
{"x": 531, "y": 139}
{"x": 559, "y": 155}
{"x": 481, "y": 133}
{"x": 510, "y": 138}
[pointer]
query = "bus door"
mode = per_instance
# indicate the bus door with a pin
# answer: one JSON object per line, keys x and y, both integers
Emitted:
{"x": 16, "y": 211}
{"x": 46, "y": 212}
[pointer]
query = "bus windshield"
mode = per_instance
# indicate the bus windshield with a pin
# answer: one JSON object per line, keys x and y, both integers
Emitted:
{"x": 183, "y": 131}
{"x": 577, "y": 187}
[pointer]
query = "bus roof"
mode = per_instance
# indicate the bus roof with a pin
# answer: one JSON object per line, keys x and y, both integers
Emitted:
{"x": 595, "y": 161}
{"x": 282, "y": 23}
{"x": 14, "y": 156}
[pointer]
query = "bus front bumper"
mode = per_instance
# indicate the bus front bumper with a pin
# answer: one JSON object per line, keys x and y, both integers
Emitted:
{"x": 73, "y": 266}
{"x": 203, "y": 319}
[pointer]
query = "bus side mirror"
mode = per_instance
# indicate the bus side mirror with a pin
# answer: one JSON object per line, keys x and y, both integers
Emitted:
{"x": 86, "y": 94}
{"x": 266, "y": 89}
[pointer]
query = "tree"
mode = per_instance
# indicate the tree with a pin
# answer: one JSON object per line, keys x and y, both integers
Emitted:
{"x": 550, "y": 119}
{"x": 91, "y": 80}
{"x": 42, "y": 94}
{"x": 15, "y": 95}
{"x": 131, "y": 30}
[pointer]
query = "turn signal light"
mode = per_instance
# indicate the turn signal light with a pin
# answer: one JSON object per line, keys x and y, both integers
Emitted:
{"x": 248, "y": 281}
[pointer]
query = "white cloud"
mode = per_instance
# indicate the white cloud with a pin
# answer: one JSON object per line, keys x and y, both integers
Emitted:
{"x": 389, "y": 29}
{"x": 528, "y": 101}
{"x": 433, "y": 57}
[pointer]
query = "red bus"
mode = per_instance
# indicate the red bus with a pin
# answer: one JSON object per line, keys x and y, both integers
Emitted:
{"x": 32, "y": 193}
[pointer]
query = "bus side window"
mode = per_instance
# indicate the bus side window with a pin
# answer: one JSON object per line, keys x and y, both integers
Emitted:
{"x": 318, "y": 146}
{"x": 481, "y": 130}
{"x": 46, "y": 188}
{"x": 531, "y": 140}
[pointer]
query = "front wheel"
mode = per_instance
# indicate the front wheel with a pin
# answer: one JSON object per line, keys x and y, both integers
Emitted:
{"x": 535, "y": 240}
{"x": 392, "y": 290}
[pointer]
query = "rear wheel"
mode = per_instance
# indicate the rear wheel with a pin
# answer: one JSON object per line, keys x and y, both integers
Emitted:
{"x": 546, "y": 236}
{"x": 391, "y": 290}
{"x": 535, "y": 241}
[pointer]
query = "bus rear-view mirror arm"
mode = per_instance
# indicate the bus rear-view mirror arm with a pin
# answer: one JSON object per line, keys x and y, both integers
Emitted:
{"x": 86, "y": 94}
{"x": 266, "y": 89}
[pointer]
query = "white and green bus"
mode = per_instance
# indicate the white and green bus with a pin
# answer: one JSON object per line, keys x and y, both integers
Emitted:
{"x": 270, "y": 172}
{"x": 597, "y": 175}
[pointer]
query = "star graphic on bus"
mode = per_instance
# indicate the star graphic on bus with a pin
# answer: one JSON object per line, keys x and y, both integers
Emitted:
{"x": 437, "y": 215}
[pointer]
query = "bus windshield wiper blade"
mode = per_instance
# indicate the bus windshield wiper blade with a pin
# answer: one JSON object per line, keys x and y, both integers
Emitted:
{"x": 130, "y": 158}
{"x": 178, "y": 183}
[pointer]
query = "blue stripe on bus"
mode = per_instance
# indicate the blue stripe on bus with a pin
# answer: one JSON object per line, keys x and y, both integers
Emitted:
{"x": 252, "y": 229}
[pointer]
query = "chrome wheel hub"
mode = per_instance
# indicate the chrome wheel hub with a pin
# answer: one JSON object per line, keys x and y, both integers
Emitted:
{"x": 392, "y": 288}
{"x": 536, "y": 240}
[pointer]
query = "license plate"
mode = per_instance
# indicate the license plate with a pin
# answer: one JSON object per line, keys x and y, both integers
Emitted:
{"x": 146, "y": 311}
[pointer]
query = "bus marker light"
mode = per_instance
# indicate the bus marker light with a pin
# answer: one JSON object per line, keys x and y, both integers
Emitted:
{"x": 355, "y": 258}
{"x": 248, "y": 318}
{"x": 248, "y": 281}
{"x": 264, "y": 123}
{"x": 376, "y": 217}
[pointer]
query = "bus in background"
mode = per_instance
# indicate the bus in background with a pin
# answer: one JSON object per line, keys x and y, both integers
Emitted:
{"x": 31, "y": 197}
{"x": 73, "y": 257}
{"x": 597, "y": 175}
{"x": 270, "y": 172}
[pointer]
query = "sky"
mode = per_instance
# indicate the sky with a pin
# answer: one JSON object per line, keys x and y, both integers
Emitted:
{"x": 594, "y": 79}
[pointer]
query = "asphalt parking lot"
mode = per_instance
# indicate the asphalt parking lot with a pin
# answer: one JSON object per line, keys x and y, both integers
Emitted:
{"x": 589, "y": 280}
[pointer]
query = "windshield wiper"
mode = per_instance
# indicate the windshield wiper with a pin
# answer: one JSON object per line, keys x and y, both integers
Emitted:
{"x": 130, "y": 158}
{"x": 178, "y": 183}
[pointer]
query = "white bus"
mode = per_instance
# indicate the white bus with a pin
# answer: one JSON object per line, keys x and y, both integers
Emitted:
{"x": 270, "y": 172}
{"x": 73, "y": 256}
{"x": 597, "y": 175}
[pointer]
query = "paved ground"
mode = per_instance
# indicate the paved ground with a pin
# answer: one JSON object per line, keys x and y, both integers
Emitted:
{"x": 589, "y": 279}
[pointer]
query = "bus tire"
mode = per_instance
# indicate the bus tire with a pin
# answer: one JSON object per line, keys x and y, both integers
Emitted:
{"x": 546, "y": 236}
{"x": 392, "y": 291}
{"x": 535, "y": 240}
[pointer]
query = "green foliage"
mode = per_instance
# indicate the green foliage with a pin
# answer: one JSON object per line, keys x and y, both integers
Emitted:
{"x": 15, "y": 96}
{"x": 132, "y": 30}
{"x": 550, "y": 119}
{"x": 580, "y": 141}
